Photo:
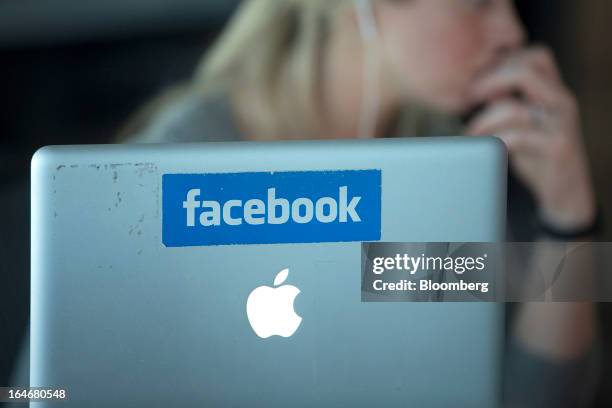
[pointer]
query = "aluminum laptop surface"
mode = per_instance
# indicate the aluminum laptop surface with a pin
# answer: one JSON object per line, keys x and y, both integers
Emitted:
{"x": 121, "y": 319}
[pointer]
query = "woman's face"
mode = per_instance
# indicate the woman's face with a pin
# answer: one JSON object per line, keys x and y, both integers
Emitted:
{"x": 435, "y": 50}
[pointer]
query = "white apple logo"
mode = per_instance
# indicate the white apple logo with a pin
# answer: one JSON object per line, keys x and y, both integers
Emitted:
{"x": 270, "y": 310}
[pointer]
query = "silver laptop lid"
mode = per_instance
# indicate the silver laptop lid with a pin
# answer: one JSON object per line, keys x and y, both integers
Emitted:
{"x": 131, "y": 307}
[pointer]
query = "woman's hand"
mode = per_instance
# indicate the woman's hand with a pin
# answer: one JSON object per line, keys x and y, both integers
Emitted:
{"x": 533, "y": 112}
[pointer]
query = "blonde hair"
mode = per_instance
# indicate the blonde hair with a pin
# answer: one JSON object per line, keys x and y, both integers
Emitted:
{"x": 268, "y": 61}
{"x": 271, "y": 52}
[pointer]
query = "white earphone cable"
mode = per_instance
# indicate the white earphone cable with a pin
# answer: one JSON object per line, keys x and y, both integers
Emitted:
{"x": 370, "y": 84}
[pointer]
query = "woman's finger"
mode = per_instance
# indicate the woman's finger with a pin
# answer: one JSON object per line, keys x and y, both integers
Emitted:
{"x": 524, "y": 80}
{"x": 542, "y": 60}
{"x": 520, "y": 141}
{"x": 508, "y": 114}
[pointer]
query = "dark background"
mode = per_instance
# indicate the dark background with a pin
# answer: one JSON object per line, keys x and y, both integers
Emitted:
{"x": 72, "y": 72}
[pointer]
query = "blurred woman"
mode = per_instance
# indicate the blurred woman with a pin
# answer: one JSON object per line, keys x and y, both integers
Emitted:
{"x": 317, "y": 69}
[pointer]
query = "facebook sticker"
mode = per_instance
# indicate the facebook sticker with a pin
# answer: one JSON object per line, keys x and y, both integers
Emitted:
{"x": 271, "y": 207}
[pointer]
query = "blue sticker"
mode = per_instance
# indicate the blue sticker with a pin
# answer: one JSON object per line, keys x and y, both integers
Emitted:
{"x": 271, "y": 207}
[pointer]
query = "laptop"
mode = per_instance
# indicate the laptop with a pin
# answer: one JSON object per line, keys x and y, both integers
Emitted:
{"x": 228, "y": 273}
